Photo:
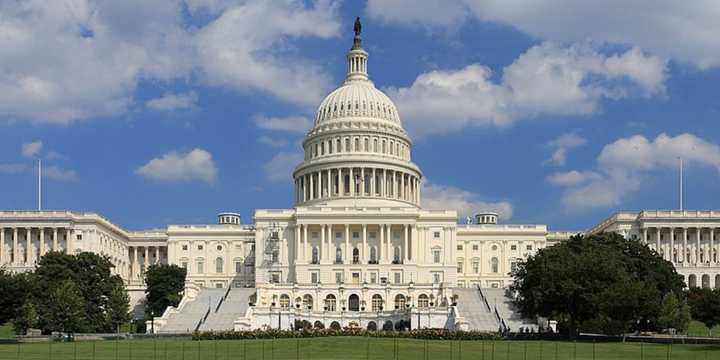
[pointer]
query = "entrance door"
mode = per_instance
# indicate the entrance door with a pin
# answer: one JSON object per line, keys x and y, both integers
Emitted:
{"x": 354, "y": 303}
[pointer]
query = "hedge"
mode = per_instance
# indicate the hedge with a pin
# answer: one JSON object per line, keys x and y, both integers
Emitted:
{"x": 429, "y": 334}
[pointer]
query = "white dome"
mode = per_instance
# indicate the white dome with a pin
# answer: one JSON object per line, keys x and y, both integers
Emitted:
{"x": 357, "y": 99}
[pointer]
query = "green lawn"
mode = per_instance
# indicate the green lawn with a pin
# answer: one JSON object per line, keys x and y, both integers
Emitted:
{"x": 350, "y": 348}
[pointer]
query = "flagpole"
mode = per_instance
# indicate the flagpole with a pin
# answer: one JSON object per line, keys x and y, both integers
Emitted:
{"x": 39, "y": 199}
{"x": 681, "y": 184}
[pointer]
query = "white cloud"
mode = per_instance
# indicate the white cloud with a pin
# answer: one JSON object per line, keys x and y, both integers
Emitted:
{"x": 32, "y": 149}
{"x": 680, "y": 30}
{"x": 547, "y": 79}
{"x": 60, "y": 174}
{"x": 442, "y": 197}
{"x": 281, "y": 166}
{"x": 13, "y": 168}
{"x": 562, "y": 145}
{"x": 272, "y": 142}
{"x": 171, "y": 102}
{"x": 71, "y": 60}
{"x": 297, "y": 124}
{"x": 623, "y": 164}
{"x": 197, "y": 164}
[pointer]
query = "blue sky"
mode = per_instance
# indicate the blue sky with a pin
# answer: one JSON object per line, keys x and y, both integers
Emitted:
{"x": 170, "y": 111}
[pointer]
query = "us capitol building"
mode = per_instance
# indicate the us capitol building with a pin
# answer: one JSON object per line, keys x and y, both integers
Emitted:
{"x": 357, "y": 248}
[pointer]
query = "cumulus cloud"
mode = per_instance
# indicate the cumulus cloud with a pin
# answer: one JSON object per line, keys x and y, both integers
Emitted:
{"x": 197, "y": 164}
{"x": 281, "y": 166}
{"x": 272, "y": 142}
{"x": 65, "y": 61}
{"x": 171, "y": 102}
{"x": 548, "y": 79}
{"x": 13, "y": 168}
{"x": 32, "y": 149}
{"x": 561, "y": 145}
{"x": 57, "y": 173}
{"x": 623, "y": 164}
{"x": 466, "y": 203}
{"x": 678, "y": 30}
{"x": 296, "y": 124}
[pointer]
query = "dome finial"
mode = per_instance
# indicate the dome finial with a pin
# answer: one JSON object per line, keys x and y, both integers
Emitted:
{"x": 357, "y": 28}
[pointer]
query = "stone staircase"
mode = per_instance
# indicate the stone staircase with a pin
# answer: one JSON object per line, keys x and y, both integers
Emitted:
{"x": 191, "y": 313}
{"x": 233, "y": 306}
{"x": 497, "y": 299}
{"x": 472, "y": 308}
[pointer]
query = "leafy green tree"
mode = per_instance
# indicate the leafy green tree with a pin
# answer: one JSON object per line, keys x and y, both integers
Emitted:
{"x": 704, "y": 305}
{"x": 15, "y": 290}
{"x": 118, "y": 312}
{"x": 598, "y": 283}
{"x": 165, "y": 284}
{"x": 27, "y": 317}
{"x": 66, "y": 311}
{"x": 674, "y": 313}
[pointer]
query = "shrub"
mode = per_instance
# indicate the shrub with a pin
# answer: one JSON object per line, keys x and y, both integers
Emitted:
{"x": 429, "y": 334}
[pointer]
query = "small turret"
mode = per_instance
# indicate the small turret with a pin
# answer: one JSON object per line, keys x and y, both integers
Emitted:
{"x": 229, "y": 218}
{"x": 486, "y": 217}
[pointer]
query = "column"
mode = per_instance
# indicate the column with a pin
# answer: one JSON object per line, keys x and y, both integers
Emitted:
{"x": 672, "y": 245}
{"x": 312, "y": 187}
{"x": 414, "y": 243}
{"x": 364, "y": 244}
{"x": 352, "y": 182}
{"x": 402, "y": 186}
{"x": 348, "y": 251}
{"x": 645, "y": 237}
{"x": 42, "y": 242}
{"x": 394, "y": 184}
{"x": 305, "y": 243}
{"x": 28, "y": 245}
{"x": 388, "y": 243}
{"x": 657, "y": 240}
{"x": 69, "y": 241}
{"x": 320, "y": 184}
{"x": 297, "y": 243}
{"x": 419, "y": 188}
{"x": 330, "y": 246}
{"x": 684, "y": 252}
{"x": 697, "y": 246}
{"x": 712, "y": 245}
{"x": 381, "y": 249}
{"x": 145, "y": 260}
{"x": 362, "y": 181}
{"x": 329, "y": 182}
{"x": 16, "y": 248}
{"x": 55, "y": 240}
{"x": 373, "y": 184}
{"x": 406, "y": 254}
{"x": 2, "y": 245}
{"x": 157, "y": 254}
{"x": 323, "y": 256}
{"x": 136, "y": 263}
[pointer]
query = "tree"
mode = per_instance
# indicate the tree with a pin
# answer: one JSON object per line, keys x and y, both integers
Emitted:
{"x": 26, "y": 318}
{"x": 14, "y": 292}
{"x": 66, "y": 311}
{"x": 118, "y": 312}
{"x": 704, "y": 305}
{"x": 164, "y": 287}
{"x": 674, "y": 313}
{"x": 599, "y": 283}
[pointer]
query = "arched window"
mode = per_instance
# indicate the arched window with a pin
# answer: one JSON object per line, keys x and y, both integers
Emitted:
{"x": 315, "y": 256}
{"x": 377, "y": 303}
{"x": 373, "y": 255}
{"x": 307, "y": 302}
{"x": 423, "y": 301}
{"x": 494, "y": 265}
{"x": 399, "y": 302}
{"x": 219, "y": 265}
{"x": 284, "y": 301}
{"x": 337, "y": 146}
{"x": 330, "y": 302}
{"x": 356, "y": 256}
{"x": 338, "y": 255}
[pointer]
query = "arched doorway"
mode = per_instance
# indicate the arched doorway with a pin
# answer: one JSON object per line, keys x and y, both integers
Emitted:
{"x": 706, "y": 281}
{"x": 372, "y": 326}
{"x": 335, "y": 325}
{"x": 400, "y": 302}
{"x": 388, "y": 326}
{"x": 692, "y": 281}
{"x": 330, "y": 302}
{"x": 354, "y": 303}
{"x": 318, "y": 325}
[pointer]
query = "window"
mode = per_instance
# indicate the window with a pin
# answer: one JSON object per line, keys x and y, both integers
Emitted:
{"x": 475, "y": 247}
{"x": 238, "y": 266}
{"x": 436, "y": 234}
{"x": 330, "y": 302}
{"x": 219, "y": 265}
{"x": 437, "y": 277}
{"x": 79, "y": 236}
{"x": 373, "y": 255}
{"x": 377, "y": 303}
{"x": 461, "y": 283}
{"x": 397, "y": 277}
{"x": 356, "y": 278}
{"x": 396, "y": 255}
{"x": 513, "y": 265}
{"x": 200, "y": 267}
{"x": 315, "y": 256}
{"x": 356, "y": 256}
{"x": 494, "y": 265}
{"x": 423, "y": 301}
{"x": 373, "y": 278}
{"x": 355, "y": 234}
{"x": 200, "y": 247}
{"x": 314, "y": 277}
{"x": 219, "y": 247}
{"x": 460, "y": 265}
{"x": 274, "y": 277}
{"x": 338, "y": 278}
{"x": 184, "y": 265}
{"x": 338, "y": 255}
{"x": 436, "y": 255}
{"x": 459, "y": 247}
{"x": 512, "y": 247}
{"x": 284, "y": 301}
{"x": 338, "y": 235}
{"x": 476, "y": 266}
{"x": 184, "y": 247}
{"x": 529, "y": 247}
{"x": 400, "y": 301}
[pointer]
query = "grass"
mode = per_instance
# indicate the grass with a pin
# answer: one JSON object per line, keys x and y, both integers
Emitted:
{"x": 350, "y": 348}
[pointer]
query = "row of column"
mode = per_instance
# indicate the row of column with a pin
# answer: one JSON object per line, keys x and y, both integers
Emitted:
{"x": 373, "y": 182}
{"x": 383, "y": 243}
{"x": 705, "y": 249}
{"x": 28, "y": 256}
{"x": 137, "y": 269}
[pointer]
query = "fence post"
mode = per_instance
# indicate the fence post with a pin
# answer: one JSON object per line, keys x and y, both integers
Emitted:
{"x": 18, "y": 352}
{"x": 525, "y": 350}
{"x": 460, "y": 349}
{"x": 244, "y": 349}
{"x": 575, "y": 349}
{"x": 183, "y": 349}
{"x": 508, "y": 351}
{"x": 75, "y": 342}
{"x": 557, "y": 345}
{"x": 93, "y": 350}
{"x": 668, "y": 351}
{"x": 367, "y": 348}
{"x": 50, "y": 349}
{"x": 593, "y": 349}
{"x": 642, "y": 351}
{"x": 493, "y": 349}
{"x": 155, "y": 348}
{"x": 482, "y": 350}
{"x": 541, "y": 348}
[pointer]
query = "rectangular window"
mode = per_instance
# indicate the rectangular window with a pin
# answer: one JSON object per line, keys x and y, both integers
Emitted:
{"x": 314, "y": 277}
{"x": 355, "y": 234}
{"x": 398, "y": 277}
{"x": 383, "y": 280}
{"x": 461, "y": 283}
{"x": 274, "y": 278}
{"x": 529, "y": 247}
{"x": 460, "y": 267}
{"x": 373, "y": 278}
{"x": 437, "y": 277}
{"x": 436, "y": 234}
{"x": 513, "y": 247}
{"x": 200, "y": 267}
{"x": 436, "y": 256}
{"x": 338, "y": 278}
{"x": 238, "y": 267}
{"x": 356, "y": 278}
{"x": 475, "y": 247}
{"x": 184, "y": 247}
{"x": 460, "y": 247}
{"x": 184, "y": 265}
{"x": 199, "y": 247}
{"x": 476, "y": 267}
